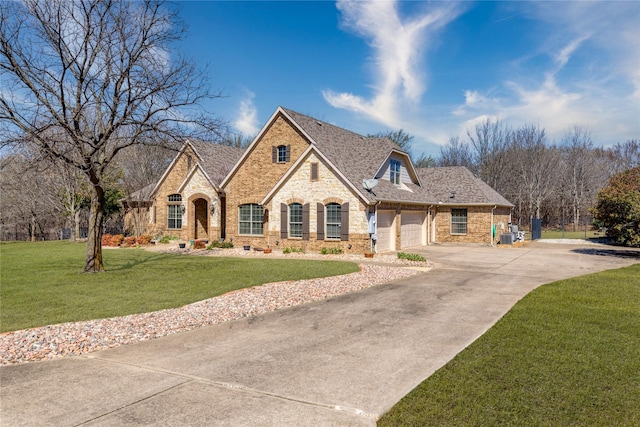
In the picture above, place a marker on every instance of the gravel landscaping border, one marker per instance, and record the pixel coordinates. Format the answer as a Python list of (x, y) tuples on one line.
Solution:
[(78, 338)]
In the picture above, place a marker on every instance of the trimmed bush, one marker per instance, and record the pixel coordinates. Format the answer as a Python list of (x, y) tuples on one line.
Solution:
[(130, 241), (411, 257), (220, 245), (198, 244), (331, 251), (144, 239)]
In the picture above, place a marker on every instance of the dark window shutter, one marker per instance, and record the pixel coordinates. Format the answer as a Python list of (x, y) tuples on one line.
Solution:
[(344, 221), (284, 211), (274, 154), (305, 221), (320, 222), (287, 154)]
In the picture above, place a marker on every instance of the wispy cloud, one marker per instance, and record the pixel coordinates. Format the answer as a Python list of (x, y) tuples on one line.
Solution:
[(247, 117), (592, 78), (398, 44)]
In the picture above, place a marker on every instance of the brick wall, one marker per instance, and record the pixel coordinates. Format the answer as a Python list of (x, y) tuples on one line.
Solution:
[(257, 175), (196, 188), (478, 224)]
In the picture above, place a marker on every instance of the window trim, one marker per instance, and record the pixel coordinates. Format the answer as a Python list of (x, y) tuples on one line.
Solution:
[(330, 232), (459, 220), (255, 222), (174, 211), (295, 228), (395, 168)]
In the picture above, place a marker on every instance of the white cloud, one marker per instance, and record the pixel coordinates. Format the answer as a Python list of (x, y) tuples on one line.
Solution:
[(399, 79), (247, 119), (592, 80)]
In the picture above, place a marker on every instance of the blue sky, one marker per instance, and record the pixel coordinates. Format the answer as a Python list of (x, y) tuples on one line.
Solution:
[(434, 69)]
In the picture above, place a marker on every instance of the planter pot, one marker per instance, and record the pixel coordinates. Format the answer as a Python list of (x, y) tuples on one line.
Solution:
[(182, 245), (368, 254), (267, 251), (246, 248)]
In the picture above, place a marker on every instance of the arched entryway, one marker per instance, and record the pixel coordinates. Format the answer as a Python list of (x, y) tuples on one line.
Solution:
[(201, 219)]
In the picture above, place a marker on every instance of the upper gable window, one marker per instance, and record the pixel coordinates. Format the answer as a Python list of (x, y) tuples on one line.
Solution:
[(394, 175), (281, 153)]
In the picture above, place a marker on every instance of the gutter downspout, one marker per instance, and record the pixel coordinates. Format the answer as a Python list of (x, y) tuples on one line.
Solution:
[(375, 215), (491, 230), (429, 225)]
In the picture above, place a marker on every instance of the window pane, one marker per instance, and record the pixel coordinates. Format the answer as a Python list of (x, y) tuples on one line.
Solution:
[(174, 216), (250, 219), (175, 198), (333, 221), (458, 221), (282, 153), (295, 220)]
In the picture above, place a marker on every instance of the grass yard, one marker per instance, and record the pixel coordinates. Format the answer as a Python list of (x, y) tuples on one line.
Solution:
[(582, 234), (568, 354), (42, 283)]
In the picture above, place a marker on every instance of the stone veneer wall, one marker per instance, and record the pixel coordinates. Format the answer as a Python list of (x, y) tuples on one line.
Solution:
[(327, 189), (478, 224)]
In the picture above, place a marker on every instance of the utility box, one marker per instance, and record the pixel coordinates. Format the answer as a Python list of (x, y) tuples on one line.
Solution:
[(506, 239)]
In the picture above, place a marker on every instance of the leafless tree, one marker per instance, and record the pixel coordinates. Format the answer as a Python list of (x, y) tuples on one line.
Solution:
[(489, 142), (84, 80), (582, 176), (535, 167), (456, 153)]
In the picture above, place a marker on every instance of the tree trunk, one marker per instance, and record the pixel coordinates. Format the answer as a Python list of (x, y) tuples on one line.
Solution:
[(93, 262), (75, 234)]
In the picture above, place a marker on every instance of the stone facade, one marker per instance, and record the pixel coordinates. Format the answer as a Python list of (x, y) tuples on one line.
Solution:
[(328, 188)]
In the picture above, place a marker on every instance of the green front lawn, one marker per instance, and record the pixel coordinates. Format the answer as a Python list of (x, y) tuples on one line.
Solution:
[(42, 283), (568, 354)]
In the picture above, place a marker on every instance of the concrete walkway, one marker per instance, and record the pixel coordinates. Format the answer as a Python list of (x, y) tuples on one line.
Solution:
[(341, 362)]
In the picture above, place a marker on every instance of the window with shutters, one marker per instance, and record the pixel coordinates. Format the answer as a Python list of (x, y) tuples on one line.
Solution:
[(333, 221), (250, 219), (458, 221), (281, 153), (295, 220)]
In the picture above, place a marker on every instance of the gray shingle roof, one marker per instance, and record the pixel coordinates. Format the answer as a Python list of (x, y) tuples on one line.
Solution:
[(217, 160), (469, 189), (357, 157)]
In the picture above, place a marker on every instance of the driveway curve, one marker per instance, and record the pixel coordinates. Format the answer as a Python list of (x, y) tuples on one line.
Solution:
[(339, 362)]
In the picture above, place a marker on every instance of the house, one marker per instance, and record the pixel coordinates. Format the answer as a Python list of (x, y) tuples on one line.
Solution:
[(308, 184), (187, 202)]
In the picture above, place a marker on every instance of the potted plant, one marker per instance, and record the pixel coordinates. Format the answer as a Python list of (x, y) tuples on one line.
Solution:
[(368, 254)]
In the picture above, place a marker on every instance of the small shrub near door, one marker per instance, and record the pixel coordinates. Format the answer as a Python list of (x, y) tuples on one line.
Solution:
[(331, 251), (199, 244)]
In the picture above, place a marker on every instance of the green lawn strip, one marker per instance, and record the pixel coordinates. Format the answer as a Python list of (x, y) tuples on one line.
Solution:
[(568, 354), (558, 234), (42, 283)]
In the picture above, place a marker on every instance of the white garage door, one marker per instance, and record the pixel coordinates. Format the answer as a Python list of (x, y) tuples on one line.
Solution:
[(411, 229), (386, 231)]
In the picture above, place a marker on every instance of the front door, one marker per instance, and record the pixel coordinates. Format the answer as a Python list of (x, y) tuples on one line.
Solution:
[(201, 223)]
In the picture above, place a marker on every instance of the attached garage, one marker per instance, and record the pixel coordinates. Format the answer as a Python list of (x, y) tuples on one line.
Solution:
[(412, 229), (386, 231)]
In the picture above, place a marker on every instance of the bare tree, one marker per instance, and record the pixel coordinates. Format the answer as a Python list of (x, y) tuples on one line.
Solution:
[(490, 142), (84, 80), (400, 137), (581, 174), (535, 169), (456, 153)]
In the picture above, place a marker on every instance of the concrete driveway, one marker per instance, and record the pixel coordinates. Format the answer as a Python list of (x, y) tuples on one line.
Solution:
[(341, 362)]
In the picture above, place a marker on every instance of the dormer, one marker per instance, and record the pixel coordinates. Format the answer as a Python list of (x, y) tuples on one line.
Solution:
[(398, 170)]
